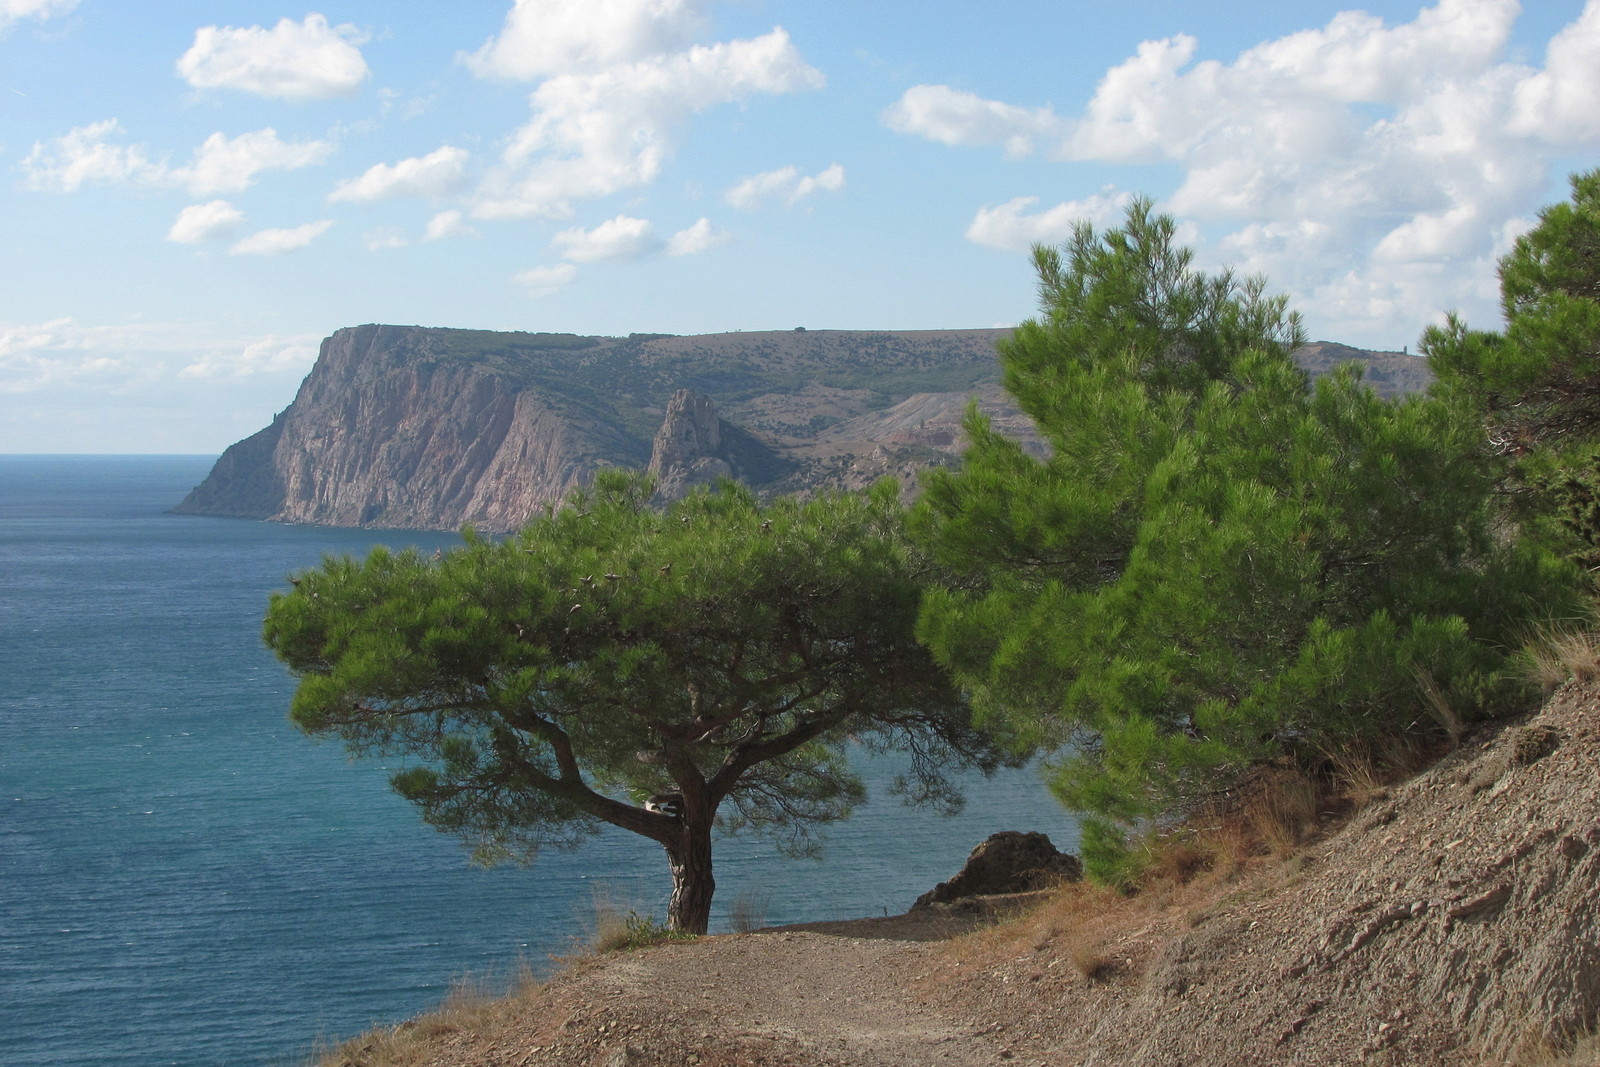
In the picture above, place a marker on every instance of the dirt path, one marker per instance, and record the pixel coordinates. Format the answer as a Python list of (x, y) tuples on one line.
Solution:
[(847, 994), (821, 998)]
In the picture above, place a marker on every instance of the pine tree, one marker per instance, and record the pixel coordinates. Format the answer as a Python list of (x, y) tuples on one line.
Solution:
[(719, 657), (1217, 563), (1537, 385)]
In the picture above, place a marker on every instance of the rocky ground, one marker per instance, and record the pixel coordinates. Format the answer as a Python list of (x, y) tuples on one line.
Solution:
[(1454, 919)]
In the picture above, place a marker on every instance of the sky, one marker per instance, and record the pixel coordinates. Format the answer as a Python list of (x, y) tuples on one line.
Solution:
[(193, 195)]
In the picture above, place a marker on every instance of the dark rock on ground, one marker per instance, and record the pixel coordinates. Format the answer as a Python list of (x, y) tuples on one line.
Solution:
[(1008, 862)]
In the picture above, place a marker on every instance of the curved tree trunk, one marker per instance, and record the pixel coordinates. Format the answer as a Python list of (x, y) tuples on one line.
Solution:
[(692, 883)]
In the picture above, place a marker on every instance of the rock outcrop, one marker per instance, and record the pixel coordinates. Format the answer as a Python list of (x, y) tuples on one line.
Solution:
[(694, 447), (1006, 862)]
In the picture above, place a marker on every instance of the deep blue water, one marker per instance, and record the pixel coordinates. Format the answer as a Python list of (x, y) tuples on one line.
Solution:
[(185, 879)]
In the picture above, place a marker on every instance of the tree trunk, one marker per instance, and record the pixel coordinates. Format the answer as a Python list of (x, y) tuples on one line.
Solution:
[(692, 883)]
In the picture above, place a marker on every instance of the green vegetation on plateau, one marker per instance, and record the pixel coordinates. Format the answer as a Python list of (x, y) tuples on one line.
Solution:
[(621, 380)]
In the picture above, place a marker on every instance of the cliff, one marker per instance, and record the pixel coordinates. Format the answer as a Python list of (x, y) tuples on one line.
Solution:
[(423, 428)]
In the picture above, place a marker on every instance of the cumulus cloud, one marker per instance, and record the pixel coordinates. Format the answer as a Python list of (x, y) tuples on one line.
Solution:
[(1013, 226), (447, 224), (619, 238), (693, 240), (784, 184), (230, 165), (276, 242), (627, 238), (953, 117), (206, 222), (92, 155), (439, 173), (308, 60), (16, 10), (545, 281), (1561, 103), (616, 80), (545, 37), (86, 156), (1370, 169)]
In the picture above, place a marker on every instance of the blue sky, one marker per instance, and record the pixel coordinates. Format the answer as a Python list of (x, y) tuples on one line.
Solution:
[(193, 194)]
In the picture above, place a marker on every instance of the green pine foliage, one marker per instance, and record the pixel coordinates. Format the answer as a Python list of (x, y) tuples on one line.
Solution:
[(540, 687), (1537, 385), (1217, 564)]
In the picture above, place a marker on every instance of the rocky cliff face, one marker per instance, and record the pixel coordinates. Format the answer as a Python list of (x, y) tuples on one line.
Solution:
[(411, 427), (380, 435)]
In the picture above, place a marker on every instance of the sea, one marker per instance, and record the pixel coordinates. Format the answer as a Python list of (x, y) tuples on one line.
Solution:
[(187, 879)]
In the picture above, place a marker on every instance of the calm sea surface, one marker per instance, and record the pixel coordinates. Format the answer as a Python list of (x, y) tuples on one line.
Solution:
[(185, 879)]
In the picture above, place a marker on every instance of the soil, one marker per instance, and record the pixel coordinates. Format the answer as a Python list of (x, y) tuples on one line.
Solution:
[(1455, 919)]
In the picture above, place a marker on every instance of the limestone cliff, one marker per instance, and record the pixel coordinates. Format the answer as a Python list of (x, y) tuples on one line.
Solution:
[(414, 427), (695, 447), (382, 435)]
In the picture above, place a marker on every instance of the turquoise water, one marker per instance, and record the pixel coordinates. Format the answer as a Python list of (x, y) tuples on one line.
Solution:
[(185, 879)]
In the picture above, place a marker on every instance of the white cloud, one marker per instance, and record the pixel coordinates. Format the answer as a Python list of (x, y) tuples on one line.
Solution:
[(544, 281), (447, 224), (88, 155), (619, 238), (1370, 169), (443, 226), (953, 117), (16, 10), (546, 37), (269, 355), (37, 356), (597, 132), (627, 238), (230, 165), (1014, 227), (784, 184), (693, 240), (66, 354), (1561, 103), (85, 156), (307, 60), (276, 242), (206, 222), (439, 173)]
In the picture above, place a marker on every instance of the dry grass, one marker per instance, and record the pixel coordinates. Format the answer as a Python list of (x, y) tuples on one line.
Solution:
[(1084, 951), (611, 932), (1539, 1051), (748, 911), (1283, 809), (1555, 655), (471, 1006), (1439, 707)]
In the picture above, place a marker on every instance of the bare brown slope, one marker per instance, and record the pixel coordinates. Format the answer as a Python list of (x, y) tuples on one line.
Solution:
[(1453, 922)]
